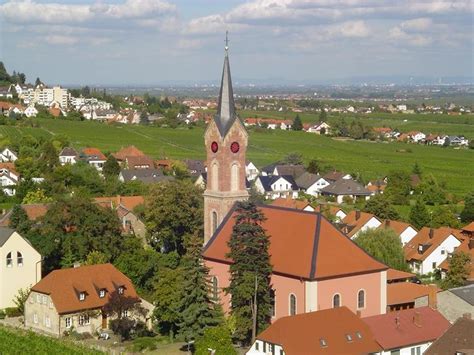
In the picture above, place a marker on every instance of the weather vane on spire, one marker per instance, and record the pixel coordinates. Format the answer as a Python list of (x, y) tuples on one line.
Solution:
[(226, 40)]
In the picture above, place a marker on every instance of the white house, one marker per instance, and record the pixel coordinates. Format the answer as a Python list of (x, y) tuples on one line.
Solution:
[(405, 231), (430, 247), (401, 107), (311, 183), (68, 156), (8, 155), (251, 171), (30, 111), (20, 266), (276, 186), (356, 222), (9, 178), (417, 137), (319, 128)]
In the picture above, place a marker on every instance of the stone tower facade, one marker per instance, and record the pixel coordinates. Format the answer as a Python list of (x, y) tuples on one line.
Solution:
[(226, 147)]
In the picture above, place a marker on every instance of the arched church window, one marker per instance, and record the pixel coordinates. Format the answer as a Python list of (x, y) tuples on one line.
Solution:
[(361, 299), (292, 305), (215, 177), (336, 300), (214, 221), (234, 177)]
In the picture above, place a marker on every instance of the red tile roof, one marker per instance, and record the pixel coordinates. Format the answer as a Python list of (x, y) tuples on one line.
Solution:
[(409, 331), (405, 292), (94, 152), (290, 203), (303, 333), (357, 223), (64, 286), (457, 339), (393, 274), (130, 151), (129, 202), (139, 162), (439, 235), (302, 244), (9, 166), (397, 226), (469, 227)]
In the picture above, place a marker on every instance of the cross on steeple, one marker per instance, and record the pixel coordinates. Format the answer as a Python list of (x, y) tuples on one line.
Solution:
[(226, 40)]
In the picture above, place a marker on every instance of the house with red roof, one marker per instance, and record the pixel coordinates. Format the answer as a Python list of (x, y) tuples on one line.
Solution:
[(306, 251), (404, 230), (77, 298), (289, 202), (357, 221), (430, 247), (94, 157)]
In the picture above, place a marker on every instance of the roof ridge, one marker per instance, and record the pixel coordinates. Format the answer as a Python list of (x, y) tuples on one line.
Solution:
[(315, 246)]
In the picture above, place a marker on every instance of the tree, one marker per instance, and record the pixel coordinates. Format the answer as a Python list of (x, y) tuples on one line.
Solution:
[(313, 167), (20, 299), (380, 205), (49, 157), (174, 209), (467, 214), (36, 196), (293, 158), (459, 270), (384, 245), (323, 115), (218, 339), (416, 169), (144, 118), (432, 192), (447, 142), (96, 257), (297, 124), (196, 309), (250, 272), (443, 216), (398, 187), (419, 216), (19, 220), (111, 167)]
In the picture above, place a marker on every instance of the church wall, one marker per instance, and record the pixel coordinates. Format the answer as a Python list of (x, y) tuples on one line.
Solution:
[(284, 286)]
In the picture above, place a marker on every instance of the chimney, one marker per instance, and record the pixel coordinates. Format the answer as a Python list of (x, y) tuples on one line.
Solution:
[(417, 319), (431, 234), (433, 296), (357, 215), (387, 223)]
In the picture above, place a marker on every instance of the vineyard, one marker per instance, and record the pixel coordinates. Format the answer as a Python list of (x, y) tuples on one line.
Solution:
[(14, 341)]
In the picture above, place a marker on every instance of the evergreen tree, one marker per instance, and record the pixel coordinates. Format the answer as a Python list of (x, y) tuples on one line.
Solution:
[(144, 118), (38, 82), (297, 124), (444, 216), (19, 220), (111, 167), (467, 214), (416, 169), (419, 215), (250, 272), (197, 311), (313, 167), (459, 270), (398, 187)]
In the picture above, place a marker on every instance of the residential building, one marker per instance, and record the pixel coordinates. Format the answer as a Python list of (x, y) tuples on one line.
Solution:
[(319, 128), (430, 247), (458, 339), (311, 184), (356, 222), (68, 156), (30, 111), (130, 151), (9, 178), (276, 186), (251, 171), (147, 176), (330, 331), (409, 331), (346, 189), (289, 202), (335, 211), (335, 175), (20, 265), (404, 295), (394, 276), (311, 270), (8, 155), (195, 167), (76, 298), (33, 211), (94, 157), (226, 142), (466, 246), (139, 162), (404, 230)]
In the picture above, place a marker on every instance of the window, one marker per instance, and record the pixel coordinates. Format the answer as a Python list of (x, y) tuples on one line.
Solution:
[(47, 322), (292, 305), (214, 221), (82, 296), (348, 337), (45, 299), (35, 318), (358, 335), (443, 251), (84, 319), (9, 260), (214, 289), (336, 301), (68, 321), (323, 342), (120, 290), (102, 293), (272, 303), (433, 264), (257, 345), (38, 298), (234, 177), (19, 259), (264, 347), (361, 299), (125, 313), (395, 352), (416, 350)]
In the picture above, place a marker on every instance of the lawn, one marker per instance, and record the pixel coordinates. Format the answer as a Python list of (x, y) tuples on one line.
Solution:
[(371, 160), (14, 341)]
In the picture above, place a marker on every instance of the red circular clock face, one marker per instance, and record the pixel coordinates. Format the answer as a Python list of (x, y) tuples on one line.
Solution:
[(214, 147), (234, 147)]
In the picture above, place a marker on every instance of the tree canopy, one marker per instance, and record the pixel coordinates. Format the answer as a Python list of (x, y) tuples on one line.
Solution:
[(380, 205)]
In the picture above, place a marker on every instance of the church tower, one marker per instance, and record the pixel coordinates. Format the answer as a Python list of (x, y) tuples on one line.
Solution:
[(226, 146)]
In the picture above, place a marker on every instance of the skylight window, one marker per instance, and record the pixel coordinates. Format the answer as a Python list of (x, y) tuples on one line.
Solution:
[(348, 337), (358, 335), (323, 342)]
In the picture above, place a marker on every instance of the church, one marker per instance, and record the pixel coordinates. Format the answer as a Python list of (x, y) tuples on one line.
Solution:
[(315, 266)]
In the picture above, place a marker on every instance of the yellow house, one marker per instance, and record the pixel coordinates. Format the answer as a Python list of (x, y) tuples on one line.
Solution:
[(20, 265)]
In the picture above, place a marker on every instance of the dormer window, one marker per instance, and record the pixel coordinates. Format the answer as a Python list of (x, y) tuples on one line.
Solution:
[(102, 293), (120, 290), (82, 296)]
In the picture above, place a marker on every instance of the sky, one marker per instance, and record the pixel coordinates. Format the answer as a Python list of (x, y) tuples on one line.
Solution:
[(148, 42)]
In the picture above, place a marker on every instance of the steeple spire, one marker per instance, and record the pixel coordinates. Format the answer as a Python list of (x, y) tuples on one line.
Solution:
[(226, 115)]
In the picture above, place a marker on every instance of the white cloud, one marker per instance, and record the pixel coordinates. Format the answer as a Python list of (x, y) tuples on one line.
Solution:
[(61, 40), (418, 24)]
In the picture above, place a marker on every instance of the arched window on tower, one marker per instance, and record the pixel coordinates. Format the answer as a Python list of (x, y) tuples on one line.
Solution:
[(234, 177), (272, 303), (215, 177), (336, 300), (292, 305), (361, 299), (214, 221)]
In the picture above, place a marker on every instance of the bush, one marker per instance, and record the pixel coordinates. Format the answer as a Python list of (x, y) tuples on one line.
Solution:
[(145, 343), (13, 312), (2, 314)]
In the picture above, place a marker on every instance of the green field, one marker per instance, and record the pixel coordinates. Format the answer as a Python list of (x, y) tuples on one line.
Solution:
[(13, 341), (370, 159)]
